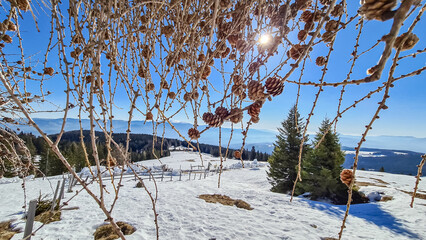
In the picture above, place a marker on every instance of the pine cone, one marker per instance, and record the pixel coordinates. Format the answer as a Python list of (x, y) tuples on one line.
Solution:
[(193, 133), (331, 26), (201, 57), (254, 109), (238, 79), (242, 45), (212, 120), (302, 35), (49, 71), (325, 2), (254, 66), (171, 95), (211, 62), (409, 43), (337, 11), (167, 31), (307, 16), (206, 72), (236, 115), (320, 61), (274, 86), (255, 119), (226, 52), (295, 51), (303, 4), (346, 176), (150, 87), (309, 26), (23, 5), (233, 39), (164, 85), (9, 25), (376, 9), (328, 36), (255, 90), (6, 38), (237, 154), (222, 112), (237, 90), (195, 95), (187, 97), (149, 116)]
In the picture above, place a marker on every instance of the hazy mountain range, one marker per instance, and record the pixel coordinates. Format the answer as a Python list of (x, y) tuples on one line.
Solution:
[(262, 139), (402, 159)]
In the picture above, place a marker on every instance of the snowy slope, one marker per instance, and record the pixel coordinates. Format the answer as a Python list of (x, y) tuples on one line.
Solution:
[(184, 216)]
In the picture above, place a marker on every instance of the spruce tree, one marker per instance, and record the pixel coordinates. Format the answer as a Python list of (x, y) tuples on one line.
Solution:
[(285, 157), (321, 171)]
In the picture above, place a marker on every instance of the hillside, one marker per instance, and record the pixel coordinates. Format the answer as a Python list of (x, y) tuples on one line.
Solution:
[(393, 161), (184, 216)]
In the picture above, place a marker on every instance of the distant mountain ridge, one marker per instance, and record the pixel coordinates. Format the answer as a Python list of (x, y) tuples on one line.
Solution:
[(374, 154), (262, 139)]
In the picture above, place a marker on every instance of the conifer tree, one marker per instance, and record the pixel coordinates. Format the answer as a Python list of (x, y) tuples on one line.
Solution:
[(285, 157), (321, 171)]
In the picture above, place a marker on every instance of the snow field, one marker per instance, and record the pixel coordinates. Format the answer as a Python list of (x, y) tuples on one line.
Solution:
[(184, 216)]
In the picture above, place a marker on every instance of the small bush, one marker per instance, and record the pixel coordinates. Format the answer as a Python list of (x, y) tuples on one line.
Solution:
[(44, 204), (48, 217), (106, 232), (139, 184), (7, 230)]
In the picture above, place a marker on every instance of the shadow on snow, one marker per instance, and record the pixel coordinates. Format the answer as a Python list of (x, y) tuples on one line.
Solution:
[(370, 212)]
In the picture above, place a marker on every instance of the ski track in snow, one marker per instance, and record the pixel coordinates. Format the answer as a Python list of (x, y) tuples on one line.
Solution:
[(184, 216)]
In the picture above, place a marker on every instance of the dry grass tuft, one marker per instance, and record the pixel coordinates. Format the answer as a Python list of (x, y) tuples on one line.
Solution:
[(106, 232), (225, 200), (242, 204), (386, 198), (48, 217), (380, 181), (363, 184), (418, 195), (7, 231)]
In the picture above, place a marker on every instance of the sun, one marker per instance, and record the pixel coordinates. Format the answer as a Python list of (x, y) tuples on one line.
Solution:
[(265, 39)]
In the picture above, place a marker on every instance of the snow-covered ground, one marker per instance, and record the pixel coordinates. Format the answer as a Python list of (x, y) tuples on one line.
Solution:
[(184, 216)]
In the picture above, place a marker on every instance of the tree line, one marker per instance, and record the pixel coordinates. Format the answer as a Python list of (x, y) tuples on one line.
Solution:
[(140, 149)]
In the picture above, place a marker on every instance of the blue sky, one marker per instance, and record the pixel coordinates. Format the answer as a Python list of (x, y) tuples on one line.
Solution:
[(405, 116)]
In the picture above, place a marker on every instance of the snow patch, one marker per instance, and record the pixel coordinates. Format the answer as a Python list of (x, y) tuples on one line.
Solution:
[(364, 154), (400, 153)]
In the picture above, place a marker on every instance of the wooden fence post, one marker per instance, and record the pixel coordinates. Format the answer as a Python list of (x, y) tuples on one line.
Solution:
[(75, 180), (30, 219), (190, 171), (162, 175), (70, 180), (61, 194), (54, 197)]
